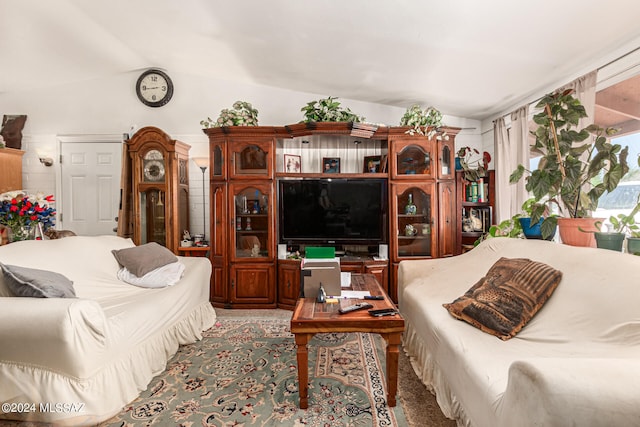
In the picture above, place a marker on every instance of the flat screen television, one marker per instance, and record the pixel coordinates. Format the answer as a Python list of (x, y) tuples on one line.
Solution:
[(330, 211)]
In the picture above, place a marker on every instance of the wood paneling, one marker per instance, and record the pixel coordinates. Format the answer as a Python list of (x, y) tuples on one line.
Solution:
[(10, 169)]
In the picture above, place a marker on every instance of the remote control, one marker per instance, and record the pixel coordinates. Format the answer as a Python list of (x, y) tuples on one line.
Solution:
[(383, 312), (358, 306), (374, 297), (390, 313)]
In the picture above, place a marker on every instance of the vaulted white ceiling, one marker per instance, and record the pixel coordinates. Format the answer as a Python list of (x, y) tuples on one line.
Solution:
[(468, 58)]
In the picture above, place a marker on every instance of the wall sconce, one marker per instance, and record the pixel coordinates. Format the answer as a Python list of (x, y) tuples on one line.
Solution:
[(47, 161)]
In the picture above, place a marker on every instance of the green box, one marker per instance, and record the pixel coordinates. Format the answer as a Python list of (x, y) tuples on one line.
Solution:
[(319, 252)]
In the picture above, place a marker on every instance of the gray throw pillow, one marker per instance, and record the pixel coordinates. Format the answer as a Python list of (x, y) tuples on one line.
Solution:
[(140, 260), (31, 282)]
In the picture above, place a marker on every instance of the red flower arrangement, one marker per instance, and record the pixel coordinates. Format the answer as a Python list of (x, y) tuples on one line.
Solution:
[(20, 211)]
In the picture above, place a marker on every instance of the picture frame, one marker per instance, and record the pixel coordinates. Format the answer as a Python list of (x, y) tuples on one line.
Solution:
[(331, 164), (292, 163), (372, 164)]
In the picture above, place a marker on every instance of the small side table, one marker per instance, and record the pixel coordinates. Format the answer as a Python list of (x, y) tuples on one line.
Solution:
[(201, 251)]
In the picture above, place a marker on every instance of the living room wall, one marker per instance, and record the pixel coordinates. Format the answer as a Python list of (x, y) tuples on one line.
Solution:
[(106, 107)]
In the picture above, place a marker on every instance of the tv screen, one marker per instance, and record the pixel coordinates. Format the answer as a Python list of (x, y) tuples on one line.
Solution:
[(329, 210)]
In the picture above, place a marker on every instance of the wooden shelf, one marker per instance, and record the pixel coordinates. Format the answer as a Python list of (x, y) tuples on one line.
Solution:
[(243, 281), (475, 234), (466, 239), (476, 204), (331, 175)]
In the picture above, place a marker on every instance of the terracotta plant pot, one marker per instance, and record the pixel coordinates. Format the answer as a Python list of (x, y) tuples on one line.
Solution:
[(571, 231)]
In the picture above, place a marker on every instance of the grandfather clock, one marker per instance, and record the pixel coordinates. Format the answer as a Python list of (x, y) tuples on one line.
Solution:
[(160, 193)]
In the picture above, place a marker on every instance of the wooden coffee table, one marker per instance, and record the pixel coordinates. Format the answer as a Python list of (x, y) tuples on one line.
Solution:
[(310, 318)]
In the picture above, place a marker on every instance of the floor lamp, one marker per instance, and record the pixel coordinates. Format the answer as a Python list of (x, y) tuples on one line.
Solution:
[(203, 164)]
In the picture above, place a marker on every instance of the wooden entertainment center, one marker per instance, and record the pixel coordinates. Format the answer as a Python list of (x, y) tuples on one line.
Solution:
[(246, 163)]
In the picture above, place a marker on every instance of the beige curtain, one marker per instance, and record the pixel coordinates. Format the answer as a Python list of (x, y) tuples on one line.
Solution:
[(503, 170), (512, 149), (519, 145)]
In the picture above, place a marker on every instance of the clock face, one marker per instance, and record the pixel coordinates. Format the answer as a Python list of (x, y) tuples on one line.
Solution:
[(154, 88), (154, 170), (153, 166)]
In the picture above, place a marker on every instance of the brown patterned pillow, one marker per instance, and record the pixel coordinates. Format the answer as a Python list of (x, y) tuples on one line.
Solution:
[(510, 294)]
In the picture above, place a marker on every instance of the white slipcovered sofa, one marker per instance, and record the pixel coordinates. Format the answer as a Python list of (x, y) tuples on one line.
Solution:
[(576, 363), (96, 352)]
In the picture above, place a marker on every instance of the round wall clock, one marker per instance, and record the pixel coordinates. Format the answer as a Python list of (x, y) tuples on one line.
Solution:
[(154, 88)]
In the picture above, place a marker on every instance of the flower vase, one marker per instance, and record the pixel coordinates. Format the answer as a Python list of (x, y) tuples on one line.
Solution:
[(22, 232)]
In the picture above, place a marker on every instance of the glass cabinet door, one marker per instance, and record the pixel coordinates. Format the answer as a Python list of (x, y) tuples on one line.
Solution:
[(152, 217), (414, 226), (414, 159), (251, 223), (446, 168), (250, 159), (217, 160)]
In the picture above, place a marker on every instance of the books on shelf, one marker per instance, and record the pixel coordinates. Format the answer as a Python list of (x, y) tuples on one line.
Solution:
[(477, 191), (363, 130)]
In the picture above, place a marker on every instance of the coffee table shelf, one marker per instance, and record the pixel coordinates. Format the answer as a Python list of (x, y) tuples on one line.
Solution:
[(310, 318)]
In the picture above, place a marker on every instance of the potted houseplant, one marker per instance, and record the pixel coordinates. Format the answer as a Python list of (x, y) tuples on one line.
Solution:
[(533, 220), (242, 113), (328, 110), (611, 239), (520, 225), (633, 240), (572, 162), (621, 226), (424, 121), (473, 169)]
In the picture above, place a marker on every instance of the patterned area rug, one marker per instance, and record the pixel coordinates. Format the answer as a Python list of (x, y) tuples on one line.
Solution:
[(244, 373)]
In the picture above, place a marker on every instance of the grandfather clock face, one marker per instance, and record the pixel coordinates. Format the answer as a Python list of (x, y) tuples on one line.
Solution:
[(153, 166)]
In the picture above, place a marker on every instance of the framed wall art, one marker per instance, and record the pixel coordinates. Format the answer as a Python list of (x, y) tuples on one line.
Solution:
[(292, 163), (372, 164), (331, 164)]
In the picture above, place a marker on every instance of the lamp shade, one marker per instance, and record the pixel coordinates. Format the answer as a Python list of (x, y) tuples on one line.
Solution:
[(201, 162)]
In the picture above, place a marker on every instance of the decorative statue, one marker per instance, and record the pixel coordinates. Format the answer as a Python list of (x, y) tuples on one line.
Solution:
[(255, 251), (476, 222), (12, 130)]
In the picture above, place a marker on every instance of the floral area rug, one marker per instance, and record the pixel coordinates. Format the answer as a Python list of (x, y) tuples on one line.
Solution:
[(244, 373)]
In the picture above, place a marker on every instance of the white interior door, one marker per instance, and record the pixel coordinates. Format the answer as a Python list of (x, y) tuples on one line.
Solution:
[(90, 175)]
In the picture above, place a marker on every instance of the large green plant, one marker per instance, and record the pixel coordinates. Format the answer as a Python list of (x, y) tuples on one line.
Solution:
[(328, 110), (576, 167)]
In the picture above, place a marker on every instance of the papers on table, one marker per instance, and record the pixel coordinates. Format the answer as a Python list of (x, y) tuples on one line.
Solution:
[(353, 294), (345, 279)]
